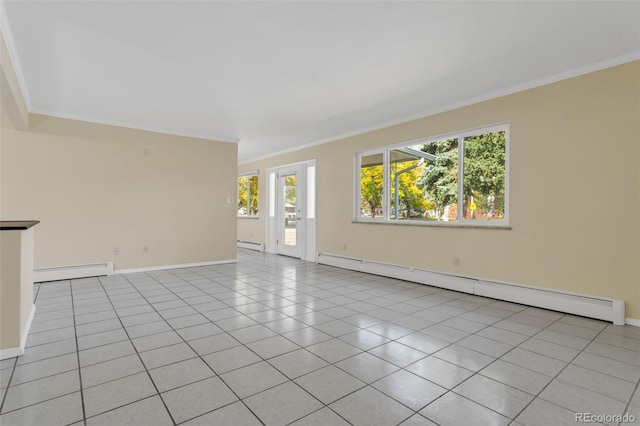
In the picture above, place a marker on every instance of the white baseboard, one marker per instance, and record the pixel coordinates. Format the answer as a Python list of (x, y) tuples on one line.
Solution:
[(185, 265), (612, 310), (11, 353), (18, 351), (632, 321), (251, 246), (70, 272)]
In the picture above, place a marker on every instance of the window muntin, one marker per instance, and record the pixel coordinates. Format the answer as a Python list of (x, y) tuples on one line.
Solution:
[(426, 181), (248, 195)]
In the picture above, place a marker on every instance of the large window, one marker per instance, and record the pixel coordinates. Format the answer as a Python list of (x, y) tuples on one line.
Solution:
[(459, 178), (248, 195)]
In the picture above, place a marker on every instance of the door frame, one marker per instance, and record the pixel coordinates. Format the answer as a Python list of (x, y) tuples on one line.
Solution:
[(306, 200)]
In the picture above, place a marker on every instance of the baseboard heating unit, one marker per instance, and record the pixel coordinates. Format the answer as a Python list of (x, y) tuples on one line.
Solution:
[(70, 272), (251, 246), (612, 310)]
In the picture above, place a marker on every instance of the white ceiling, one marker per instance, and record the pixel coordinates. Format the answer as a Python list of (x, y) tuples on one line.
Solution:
[(278, 75)]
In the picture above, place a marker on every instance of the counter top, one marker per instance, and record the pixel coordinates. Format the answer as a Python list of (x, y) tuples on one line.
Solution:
[(17, 225)]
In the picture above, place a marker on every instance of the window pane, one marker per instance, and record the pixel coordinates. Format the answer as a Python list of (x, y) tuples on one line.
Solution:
[(243, 183), (371, 186), (253, 198), (438, 180), (484, 176), (291, 209), (407, 200)]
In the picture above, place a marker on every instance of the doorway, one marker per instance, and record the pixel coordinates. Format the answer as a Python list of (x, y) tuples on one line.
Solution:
[(291, 224), (289, 212)]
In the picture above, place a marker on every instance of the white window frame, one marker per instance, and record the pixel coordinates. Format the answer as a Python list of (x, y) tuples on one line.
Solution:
[(248, 175), (460, 220)]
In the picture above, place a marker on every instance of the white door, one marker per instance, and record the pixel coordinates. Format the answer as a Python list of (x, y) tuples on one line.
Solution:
[(290, 196)]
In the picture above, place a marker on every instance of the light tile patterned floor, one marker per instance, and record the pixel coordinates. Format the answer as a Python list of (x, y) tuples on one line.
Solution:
[(275, 341)]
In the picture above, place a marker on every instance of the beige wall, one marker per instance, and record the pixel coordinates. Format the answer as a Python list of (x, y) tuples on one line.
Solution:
[(10, 289), (253, 230), (13, 104), (96, 187), (575, 190), (16, 289)]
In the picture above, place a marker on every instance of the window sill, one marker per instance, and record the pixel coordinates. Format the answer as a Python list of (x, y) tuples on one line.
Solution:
[(432, 224), (248, 217)]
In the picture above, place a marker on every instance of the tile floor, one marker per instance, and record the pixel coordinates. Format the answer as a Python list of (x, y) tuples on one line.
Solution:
[(275, 341)]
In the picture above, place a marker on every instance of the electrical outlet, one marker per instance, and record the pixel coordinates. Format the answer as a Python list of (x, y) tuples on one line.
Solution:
[(456, 262), (145, 249), (116, 251), (147, 152), (344, 247)]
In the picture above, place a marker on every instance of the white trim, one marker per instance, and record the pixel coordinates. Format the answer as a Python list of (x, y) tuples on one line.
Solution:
[(573, 303), (307, 225), (598, 66), (386, 192), (619, 60), (471, 131), (57, 273), (460, 207), (18, 351), (124, 125), (251, 245), (162, 268), (632, 321), (11, 353)]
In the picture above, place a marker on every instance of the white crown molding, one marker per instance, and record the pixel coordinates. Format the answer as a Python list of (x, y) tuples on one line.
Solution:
[(123, 125), (13, 54), (619, 60)]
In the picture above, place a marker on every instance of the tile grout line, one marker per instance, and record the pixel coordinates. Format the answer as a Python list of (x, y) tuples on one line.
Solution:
[(190, 347), (289, 379), (15, 366), (568, 363), (432, 354), (628, 404), (139, 358), (249, 285), (414, 412), (75, 332), (514, 313), (6, 390), (13, 369)]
